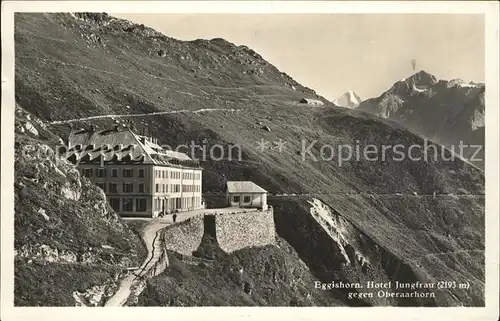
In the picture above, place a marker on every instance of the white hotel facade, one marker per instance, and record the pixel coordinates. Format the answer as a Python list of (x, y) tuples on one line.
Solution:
[(139, 178)]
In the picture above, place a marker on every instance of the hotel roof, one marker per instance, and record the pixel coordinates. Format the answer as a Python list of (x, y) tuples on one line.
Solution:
[(121, 145)]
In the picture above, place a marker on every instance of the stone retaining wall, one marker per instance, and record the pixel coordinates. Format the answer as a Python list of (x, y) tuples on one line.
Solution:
[(232, 231), (184, 237), (237, 231)]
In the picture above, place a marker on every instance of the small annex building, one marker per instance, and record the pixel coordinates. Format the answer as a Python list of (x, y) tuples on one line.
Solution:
[(246, 194)]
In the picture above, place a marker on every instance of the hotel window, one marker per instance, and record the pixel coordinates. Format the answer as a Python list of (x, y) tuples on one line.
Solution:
[(102, 186), (141, 173), (162, 174), (101, 172), (236, 199), (140, 204), (113, 187), (141, 188), (115, 204), (87, 172), (127, 172), (128, 204), (157, 188), (246, 199), (114, 172), (128, 187)]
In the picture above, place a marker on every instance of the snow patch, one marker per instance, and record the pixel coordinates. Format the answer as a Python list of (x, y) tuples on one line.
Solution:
[(418, 89)]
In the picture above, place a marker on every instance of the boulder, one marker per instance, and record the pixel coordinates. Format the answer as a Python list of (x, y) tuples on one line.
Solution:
[(70, 193), (30, 128), (313, 102), (41, 211)]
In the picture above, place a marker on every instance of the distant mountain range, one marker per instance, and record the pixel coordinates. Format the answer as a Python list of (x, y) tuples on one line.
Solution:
[(348, 100), (444, 111)]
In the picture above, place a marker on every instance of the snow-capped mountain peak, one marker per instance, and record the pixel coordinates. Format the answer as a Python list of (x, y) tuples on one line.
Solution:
[(349, 100)]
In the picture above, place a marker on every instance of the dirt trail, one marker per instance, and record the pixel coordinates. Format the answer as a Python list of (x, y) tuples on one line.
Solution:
[(154, 245), (181, 111), (151, 238)]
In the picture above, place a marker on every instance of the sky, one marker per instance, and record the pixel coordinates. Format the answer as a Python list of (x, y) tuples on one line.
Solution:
[(334, 53)]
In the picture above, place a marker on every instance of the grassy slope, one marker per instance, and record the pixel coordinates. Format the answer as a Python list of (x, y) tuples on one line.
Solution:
[(275, 276), (128, 71), (52, 284)]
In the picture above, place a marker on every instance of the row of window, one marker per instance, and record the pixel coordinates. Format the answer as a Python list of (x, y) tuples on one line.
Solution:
[(190, 188), (195, 176), (159, 188), (176, 188), (163, 188), (126, 187), (237, 198), (176, 203), (127, 204), (103, 172), (159, 173), (129, 172)]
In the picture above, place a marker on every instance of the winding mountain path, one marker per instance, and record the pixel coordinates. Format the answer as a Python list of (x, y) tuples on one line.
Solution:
[(181, 111), (154, 244), (151, 237)]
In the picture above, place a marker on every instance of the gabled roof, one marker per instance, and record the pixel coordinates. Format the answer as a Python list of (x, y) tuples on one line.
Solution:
[(122, 146), (244, 187)]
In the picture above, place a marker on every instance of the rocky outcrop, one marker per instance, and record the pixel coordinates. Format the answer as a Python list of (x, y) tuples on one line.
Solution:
[(447, 112), (49, 254), (96, 295)]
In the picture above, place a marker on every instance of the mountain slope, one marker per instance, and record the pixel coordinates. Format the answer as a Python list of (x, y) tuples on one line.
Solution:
[(92, 64), (68, 242), (445, 111), (348, 100)]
